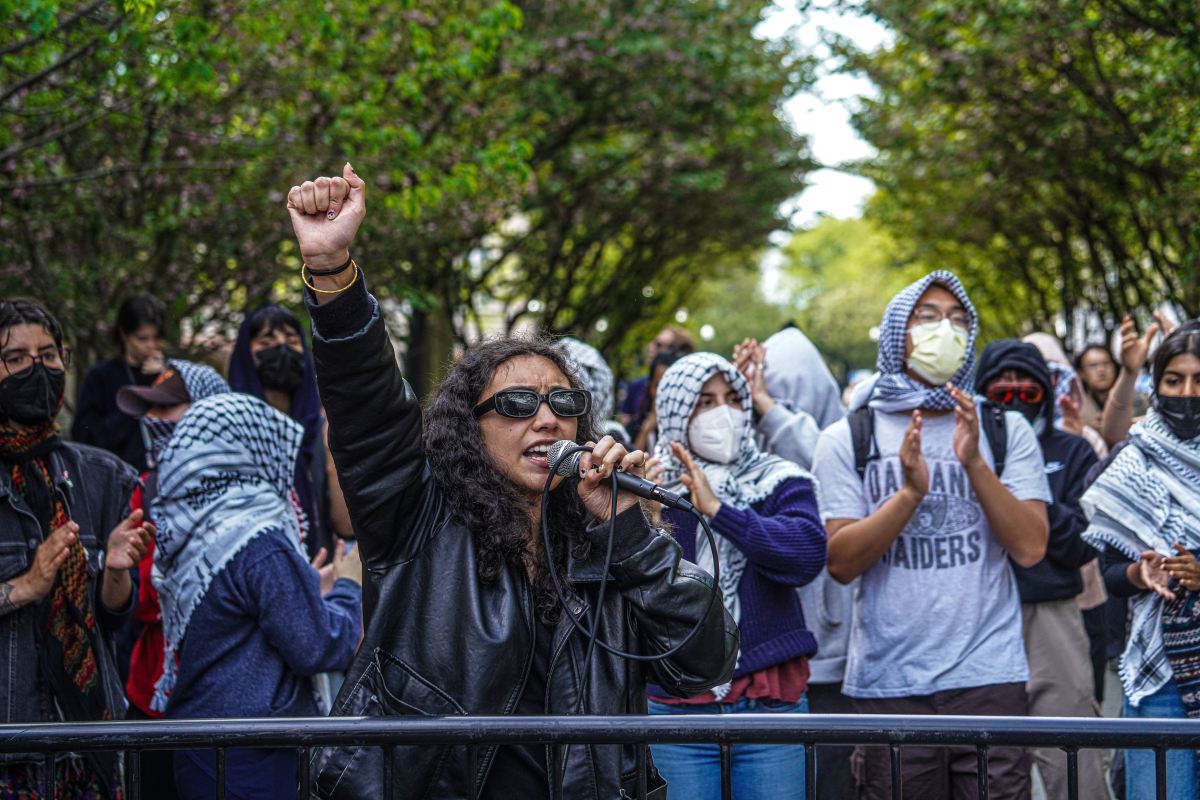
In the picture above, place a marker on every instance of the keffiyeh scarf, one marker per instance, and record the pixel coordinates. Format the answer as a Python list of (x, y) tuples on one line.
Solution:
[(1147, 499), (201, 380), (225, 477), (895, 390), (595, 373), (750, 478)]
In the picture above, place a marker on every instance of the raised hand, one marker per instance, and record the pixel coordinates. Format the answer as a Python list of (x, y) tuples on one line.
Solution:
[(594, 471), (1072, 420), (128, 542), (750, 358), (912, 460), (703, 497), (326, 214), (1165, 323), (1135, 349)]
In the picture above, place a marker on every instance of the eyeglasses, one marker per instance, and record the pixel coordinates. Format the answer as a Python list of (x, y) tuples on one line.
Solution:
[(1097, 366), (523, 403), (1006, 393), (20, 364), (927, 315)]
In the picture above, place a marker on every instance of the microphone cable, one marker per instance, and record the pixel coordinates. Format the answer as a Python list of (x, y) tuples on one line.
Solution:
[(592, 635)]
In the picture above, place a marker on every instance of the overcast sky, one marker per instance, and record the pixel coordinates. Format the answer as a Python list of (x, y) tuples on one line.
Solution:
[(824, 113)]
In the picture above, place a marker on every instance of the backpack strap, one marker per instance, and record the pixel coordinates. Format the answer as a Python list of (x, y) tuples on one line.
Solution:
[(862, 439), (995, 428)]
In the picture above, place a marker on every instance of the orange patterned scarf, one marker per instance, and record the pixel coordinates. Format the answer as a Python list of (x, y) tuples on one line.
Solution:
[(69, 627)]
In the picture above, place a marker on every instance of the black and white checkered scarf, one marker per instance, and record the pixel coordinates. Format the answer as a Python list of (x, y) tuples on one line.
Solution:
[(750, 478), (224, 478)]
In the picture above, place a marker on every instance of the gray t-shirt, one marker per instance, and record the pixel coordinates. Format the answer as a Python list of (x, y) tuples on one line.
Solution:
[(940, 610)]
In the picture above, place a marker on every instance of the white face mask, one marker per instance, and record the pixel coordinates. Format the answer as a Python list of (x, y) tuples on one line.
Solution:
[(939, 349), (716, 434)]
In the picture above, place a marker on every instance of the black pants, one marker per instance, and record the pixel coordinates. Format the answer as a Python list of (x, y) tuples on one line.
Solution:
[(158, 767), (834, 776)]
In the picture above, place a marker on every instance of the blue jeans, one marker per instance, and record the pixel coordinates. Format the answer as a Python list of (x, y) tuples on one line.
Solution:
[(1139, 764), (693, 771)]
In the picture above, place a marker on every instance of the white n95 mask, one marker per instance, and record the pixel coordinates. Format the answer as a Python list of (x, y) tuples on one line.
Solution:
[(939, 349), (716, 434)]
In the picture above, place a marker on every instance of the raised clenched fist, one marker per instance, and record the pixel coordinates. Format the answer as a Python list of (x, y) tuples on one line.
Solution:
[(326, 213)]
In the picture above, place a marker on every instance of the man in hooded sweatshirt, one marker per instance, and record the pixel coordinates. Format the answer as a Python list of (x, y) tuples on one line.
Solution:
[(795, 397), (1014, 375), (931, 528)]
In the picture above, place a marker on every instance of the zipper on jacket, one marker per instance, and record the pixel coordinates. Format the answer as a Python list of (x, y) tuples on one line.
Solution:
[(578, 607), (489, 756)]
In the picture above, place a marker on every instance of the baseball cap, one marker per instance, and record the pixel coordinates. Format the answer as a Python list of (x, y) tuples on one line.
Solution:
[(168, 389)]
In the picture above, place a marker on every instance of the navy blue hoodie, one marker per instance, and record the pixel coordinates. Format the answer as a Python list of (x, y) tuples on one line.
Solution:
[(1068, 458)]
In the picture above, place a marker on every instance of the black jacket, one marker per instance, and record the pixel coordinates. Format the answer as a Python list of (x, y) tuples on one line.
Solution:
[(99, 422), (440, 642), (95, 487), (1068, 458)]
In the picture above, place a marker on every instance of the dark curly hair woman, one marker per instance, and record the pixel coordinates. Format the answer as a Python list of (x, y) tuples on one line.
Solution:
[(461, 615)]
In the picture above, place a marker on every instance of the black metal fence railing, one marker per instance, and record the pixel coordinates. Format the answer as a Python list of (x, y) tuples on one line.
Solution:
[(727, 731)]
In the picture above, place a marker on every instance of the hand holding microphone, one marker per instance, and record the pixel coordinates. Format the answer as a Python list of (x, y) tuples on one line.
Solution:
[(596, 467)]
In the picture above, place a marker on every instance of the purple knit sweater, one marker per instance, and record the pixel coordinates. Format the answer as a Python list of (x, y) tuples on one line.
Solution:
[(784, 543)]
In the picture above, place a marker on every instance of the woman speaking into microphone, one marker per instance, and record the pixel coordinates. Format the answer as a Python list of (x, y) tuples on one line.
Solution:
[(461, 608)]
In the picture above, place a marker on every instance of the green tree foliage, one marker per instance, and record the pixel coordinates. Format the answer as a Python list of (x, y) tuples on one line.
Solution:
[(1045, 150), (569, 153), (840, 275)]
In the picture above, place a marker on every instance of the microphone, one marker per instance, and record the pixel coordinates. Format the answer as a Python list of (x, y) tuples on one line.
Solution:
[(630, 483)]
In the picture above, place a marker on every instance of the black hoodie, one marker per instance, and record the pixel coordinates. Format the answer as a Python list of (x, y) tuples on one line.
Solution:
[(1068, 458)]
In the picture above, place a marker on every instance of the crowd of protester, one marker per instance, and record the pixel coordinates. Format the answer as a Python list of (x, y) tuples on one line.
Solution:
[(978, 534)]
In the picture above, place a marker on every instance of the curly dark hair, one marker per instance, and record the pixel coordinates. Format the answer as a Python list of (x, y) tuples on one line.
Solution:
[(28, 312), (485, 501)]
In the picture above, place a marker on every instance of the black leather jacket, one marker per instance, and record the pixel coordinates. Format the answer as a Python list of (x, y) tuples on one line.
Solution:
[(95, 486), (440, 642)]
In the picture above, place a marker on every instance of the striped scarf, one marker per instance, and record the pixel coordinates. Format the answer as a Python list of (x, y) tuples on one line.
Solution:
[(1146, 499), (895, 390)]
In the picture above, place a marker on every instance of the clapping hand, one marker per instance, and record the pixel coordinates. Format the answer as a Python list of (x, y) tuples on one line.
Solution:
[(703, 497), (750, 359), (912, 460), (1183, 568), (128, 542)]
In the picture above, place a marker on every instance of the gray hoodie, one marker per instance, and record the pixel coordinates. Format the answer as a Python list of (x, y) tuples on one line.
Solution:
[(808, 400)]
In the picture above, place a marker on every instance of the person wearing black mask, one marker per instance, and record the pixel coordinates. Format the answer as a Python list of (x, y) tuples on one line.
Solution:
[(1014, 375), (1144, 510), (67, 544), (271, 361)]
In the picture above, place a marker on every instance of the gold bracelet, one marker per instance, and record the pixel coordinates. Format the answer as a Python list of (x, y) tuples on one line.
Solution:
[(330, 291)]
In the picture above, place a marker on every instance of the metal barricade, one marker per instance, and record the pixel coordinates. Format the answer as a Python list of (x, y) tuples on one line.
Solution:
[(727, 731)]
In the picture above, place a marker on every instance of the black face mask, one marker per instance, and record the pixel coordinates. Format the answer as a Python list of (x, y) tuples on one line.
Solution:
[(1028, 410), (280, 368), (33, 398), (1180, 414)]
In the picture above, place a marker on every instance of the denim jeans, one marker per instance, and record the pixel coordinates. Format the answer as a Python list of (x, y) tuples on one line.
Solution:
[(1139, 764), (760, 771)]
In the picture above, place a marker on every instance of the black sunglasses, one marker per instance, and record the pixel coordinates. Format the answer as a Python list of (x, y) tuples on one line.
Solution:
[(522, 403)]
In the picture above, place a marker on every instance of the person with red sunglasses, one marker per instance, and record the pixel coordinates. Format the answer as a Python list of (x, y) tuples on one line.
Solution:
[(1014, 375)]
